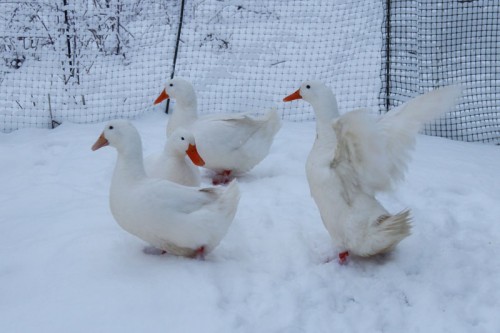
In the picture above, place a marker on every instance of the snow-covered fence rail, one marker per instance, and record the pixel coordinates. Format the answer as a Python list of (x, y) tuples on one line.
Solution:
[(92, 60)]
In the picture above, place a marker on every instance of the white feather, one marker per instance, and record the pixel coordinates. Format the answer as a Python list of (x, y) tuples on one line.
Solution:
[(356, 157), (169, 216), (172, 163), (233, 142)]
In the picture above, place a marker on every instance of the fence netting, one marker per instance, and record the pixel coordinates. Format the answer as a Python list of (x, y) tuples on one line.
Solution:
[(81, 61), (428, 44), (248, 55), (92, 60), (89, 61)]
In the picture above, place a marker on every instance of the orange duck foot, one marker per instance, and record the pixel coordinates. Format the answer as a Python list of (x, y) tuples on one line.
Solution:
[(199, 253), (343, 257), (222, 178)]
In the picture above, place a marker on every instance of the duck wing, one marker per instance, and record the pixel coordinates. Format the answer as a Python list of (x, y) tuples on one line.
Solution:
[(372, 154), (360, 159), (230, 132), (163, 195), (401, 125)]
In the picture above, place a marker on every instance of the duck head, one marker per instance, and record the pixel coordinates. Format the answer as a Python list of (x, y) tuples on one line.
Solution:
[(120, 134), (319, 96), (179, 89), (310, 91), (182, 142)]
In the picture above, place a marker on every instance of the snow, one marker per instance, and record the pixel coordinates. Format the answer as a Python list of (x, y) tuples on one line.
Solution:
[(66, 266)]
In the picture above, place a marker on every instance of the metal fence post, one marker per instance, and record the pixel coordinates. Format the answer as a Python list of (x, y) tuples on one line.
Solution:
[(179, 30)]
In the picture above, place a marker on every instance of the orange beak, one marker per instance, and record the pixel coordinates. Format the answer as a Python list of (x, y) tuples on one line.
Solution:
[(163, 96), (294, 96), (101, 142), (192, 152)]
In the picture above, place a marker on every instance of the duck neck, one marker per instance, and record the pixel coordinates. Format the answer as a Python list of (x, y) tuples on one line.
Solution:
[(184, 114), (173, 154), (129, 165), (326, 110)]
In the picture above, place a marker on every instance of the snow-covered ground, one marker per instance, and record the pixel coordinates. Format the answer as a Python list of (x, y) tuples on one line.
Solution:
[(66, 266)]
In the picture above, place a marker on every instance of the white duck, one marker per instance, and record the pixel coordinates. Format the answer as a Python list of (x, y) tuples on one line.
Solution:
[(229, 143), (174, 218), (355, 156), (172, 164)]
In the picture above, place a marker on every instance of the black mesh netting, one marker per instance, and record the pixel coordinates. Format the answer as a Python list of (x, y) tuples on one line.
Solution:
[(81, 61), (430, 43), (89, 61)]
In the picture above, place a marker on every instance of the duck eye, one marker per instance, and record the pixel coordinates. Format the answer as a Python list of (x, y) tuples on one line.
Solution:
[(308, 87), (171, 84), (110, 127), (182, 138)]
